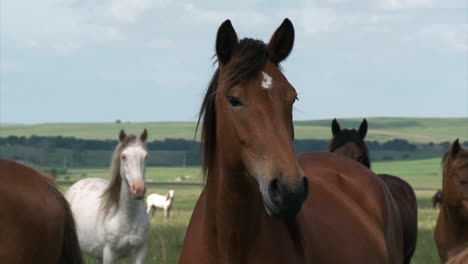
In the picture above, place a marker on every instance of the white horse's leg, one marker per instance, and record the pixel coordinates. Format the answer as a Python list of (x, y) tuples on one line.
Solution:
[(148, 208), (139, 254), (108, 257)]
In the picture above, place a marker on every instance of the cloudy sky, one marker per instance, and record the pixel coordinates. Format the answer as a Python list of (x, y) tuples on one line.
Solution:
[(150, 60)]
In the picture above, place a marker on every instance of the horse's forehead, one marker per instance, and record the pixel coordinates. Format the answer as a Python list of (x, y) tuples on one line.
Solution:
[(135, 149), (461, 166), (272, 81), (351, 145)]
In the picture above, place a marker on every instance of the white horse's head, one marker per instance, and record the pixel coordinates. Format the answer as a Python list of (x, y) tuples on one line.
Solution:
[(132, 164), (170, 194)]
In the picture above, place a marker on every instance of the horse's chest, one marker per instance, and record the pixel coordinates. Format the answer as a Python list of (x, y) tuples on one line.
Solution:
[(126, 236), (128, 242)]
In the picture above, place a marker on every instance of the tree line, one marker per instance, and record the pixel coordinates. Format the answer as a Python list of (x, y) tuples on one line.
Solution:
[(75, 152)]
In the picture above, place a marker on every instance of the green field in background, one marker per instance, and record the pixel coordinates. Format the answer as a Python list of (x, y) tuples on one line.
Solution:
[(417, 130), (421, 174), (166, 238)]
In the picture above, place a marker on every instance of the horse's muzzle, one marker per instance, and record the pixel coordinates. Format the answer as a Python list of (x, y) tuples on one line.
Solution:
[(286, 199), (138, 190)]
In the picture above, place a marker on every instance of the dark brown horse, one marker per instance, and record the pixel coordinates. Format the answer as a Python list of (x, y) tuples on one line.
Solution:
[(451, 232), (437, 199), (261, 203), (350, 143), (36, 224)]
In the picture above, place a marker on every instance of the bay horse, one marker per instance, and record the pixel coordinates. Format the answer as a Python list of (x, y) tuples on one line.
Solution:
[(451, 231), (36, 223), (260, 202), (350, 143), (111, 216)]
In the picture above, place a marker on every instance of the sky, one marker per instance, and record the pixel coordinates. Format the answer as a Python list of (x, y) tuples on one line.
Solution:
[(147, 61)]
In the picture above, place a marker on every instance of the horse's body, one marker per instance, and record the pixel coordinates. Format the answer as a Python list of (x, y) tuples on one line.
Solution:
[(111, 217), (451, 232), (164, 202), (350, 143), (36, 224), (255, 206)]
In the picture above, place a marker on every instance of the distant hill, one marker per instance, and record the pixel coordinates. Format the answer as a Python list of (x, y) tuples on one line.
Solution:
[(416, 130)]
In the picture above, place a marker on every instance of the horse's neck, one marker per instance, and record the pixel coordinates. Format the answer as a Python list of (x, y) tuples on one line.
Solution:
[(128, 207), (455, 221), (234, 212)]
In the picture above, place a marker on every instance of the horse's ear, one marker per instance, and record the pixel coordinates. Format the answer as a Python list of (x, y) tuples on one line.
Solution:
[(282, 41), (335, 127), (144, 135), (363, 128), (226, 42), (455, 148), (122, 135)]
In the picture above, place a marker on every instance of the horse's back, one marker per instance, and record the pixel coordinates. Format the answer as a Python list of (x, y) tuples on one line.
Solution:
[(156, 200), (84, 198), (86, 189), (31, 215), (339, 213)]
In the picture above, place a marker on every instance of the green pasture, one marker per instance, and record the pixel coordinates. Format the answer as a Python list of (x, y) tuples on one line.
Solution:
[(153, 174), (166, 238), (418, 130)]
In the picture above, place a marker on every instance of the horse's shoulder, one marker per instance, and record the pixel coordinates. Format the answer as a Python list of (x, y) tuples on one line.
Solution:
[(344, 182), (336, 169)]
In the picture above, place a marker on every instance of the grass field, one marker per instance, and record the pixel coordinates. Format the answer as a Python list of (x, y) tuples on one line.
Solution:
[(166, 237), (418, 130)]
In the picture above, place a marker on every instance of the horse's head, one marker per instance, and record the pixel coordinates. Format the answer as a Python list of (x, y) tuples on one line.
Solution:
[(350, 142), (455, 177), (170, 194), (132, 164), (247, 115)]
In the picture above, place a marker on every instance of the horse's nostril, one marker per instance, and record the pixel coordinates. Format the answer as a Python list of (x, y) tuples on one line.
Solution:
[(275, 192), (274, 185)]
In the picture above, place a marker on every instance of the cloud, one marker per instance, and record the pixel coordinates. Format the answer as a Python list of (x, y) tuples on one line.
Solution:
[(15, 66), (415, 4), (453, 37), (127, 11)]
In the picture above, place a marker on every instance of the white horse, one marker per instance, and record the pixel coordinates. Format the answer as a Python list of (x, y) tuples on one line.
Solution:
[(154, 201), (111, 217)]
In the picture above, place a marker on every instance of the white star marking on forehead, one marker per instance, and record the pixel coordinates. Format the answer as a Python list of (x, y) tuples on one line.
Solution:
[(267, 80)]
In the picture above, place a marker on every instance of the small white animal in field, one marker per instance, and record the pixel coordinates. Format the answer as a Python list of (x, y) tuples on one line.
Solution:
[(110, 216), (154, 201)]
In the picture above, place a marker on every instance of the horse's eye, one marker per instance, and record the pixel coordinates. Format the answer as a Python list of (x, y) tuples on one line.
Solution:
[(463, 182), (146, 157), (124, 157), (233, 101)]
